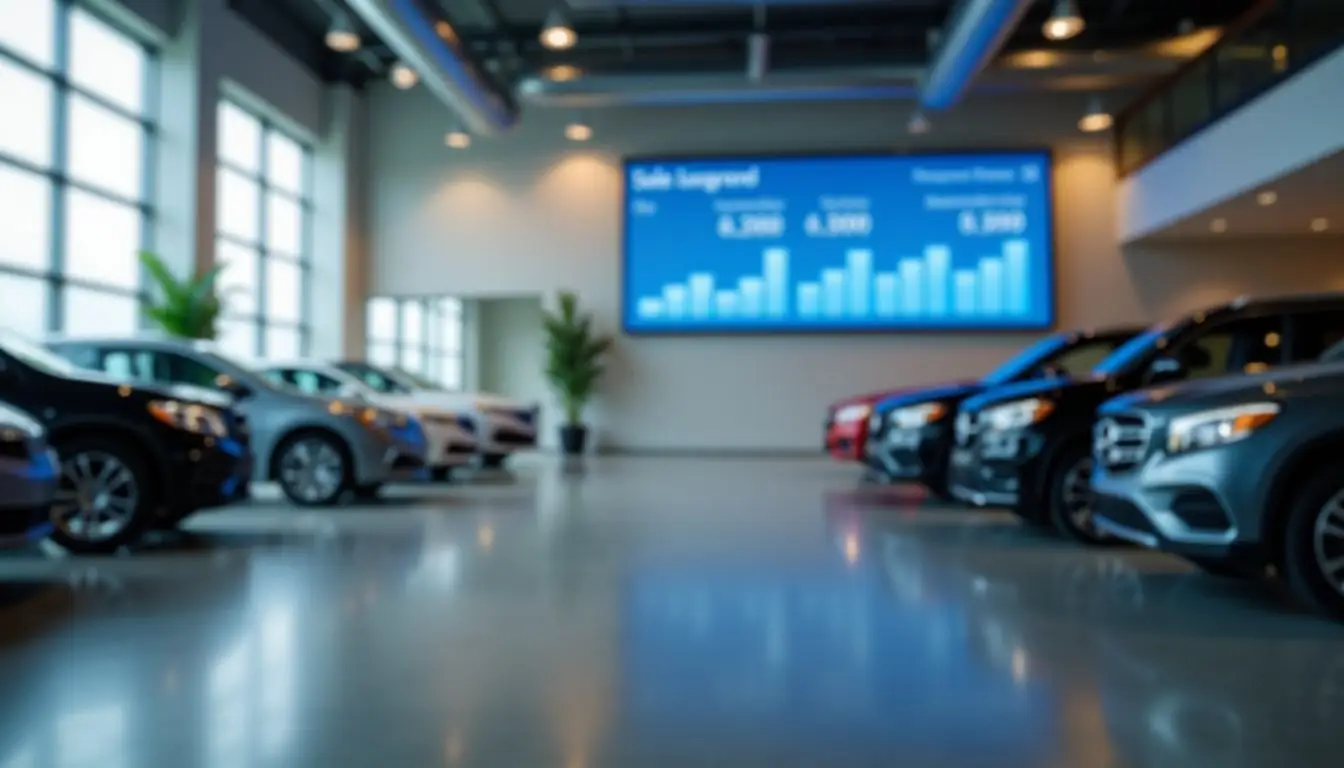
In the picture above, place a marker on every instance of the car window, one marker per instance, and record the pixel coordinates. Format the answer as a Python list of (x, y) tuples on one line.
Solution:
[(1318, 335), (188, 370), (129, 365), (313, 382), (1081, 358), (1247, 345)]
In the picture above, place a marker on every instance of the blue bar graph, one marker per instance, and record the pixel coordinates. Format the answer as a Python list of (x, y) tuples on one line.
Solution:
[(933, 284)]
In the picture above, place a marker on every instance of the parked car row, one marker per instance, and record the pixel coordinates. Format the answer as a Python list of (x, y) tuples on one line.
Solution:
[(1213, 436), (102, 439)]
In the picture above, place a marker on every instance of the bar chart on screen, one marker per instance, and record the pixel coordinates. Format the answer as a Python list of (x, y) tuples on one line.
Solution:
[(863, 286)]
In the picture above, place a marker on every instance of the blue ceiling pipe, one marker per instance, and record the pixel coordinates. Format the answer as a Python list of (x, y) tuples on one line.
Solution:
[(425, 39), (978, 30)]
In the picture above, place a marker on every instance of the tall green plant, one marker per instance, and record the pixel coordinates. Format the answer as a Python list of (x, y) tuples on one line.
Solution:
[(573, 356), (187, 309)]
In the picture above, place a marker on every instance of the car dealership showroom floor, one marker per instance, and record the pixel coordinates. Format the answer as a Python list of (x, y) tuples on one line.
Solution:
[(651, 612)]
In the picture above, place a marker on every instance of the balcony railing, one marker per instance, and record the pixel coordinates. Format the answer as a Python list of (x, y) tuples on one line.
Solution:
[(1271, 42)]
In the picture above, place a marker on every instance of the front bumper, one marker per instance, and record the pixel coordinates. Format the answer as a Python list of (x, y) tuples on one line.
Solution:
[(919, 455), (390, 455), (447, 445), (206, 472), (996, 469), (499, 432), (27, 487), (846, 441), (1191, 504)]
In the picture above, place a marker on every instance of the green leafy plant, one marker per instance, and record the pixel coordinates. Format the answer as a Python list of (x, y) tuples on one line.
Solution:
[(574, 354), (187, 309)]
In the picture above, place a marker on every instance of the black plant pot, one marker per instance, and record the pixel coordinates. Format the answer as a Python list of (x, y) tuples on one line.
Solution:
[(573, 437)]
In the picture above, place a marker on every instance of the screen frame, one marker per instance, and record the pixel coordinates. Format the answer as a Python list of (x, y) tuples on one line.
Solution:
[(1052, 237)]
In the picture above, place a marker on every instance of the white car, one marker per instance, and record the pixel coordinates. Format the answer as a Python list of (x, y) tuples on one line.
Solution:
[(503, 425), (448, 433)]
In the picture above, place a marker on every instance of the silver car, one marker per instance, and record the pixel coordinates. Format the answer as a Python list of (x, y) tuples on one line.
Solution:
[(28, 479), (316, 448)]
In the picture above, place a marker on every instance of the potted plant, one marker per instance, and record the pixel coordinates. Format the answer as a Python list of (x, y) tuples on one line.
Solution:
[(573, 366), (186, 309)]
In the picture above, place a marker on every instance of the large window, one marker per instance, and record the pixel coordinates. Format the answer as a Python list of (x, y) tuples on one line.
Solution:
[(75, 140), (423, 336), (263, 218)]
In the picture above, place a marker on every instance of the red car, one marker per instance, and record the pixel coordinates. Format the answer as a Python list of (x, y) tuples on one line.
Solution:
[(847, 424)]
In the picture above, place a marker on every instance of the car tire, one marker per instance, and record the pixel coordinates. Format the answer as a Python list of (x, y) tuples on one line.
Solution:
[(441, 474), (102, 478), (1070, 485), (493, 460), (1308, 545), (314, 469), (1219, 568), (368, 491)]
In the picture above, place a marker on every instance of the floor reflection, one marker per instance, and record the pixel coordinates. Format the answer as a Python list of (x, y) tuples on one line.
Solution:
[(766, 614)]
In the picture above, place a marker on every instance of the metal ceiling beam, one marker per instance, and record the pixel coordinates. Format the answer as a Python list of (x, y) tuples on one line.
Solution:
[(977, 32)]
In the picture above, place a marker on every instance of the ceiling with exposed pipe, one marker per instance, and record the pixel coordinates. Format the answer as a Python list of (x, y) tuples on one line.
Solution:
[(676, 52)]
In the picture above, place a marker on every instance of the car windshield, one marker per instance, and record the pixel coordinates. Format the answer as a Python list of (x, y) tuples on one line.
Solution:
[(383, 380), (1029, 358), (1133, 352), (36, 356)]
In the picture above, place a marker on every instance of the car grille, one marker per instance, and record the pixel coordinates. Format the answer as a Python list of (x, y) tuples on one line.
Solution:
[(1120, 442), (965, 428)]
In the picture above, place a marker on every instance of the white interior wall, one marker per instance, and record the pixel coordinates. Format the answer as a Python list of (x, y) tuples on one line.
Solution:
[(531, 213)]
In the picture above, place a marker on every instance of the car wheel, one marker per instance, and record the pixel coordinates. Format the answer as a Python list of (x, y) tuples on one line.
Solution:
[(1313, 544), (105, 498), (314, 469), (441, 474), (493, 460), (1219, 568), (1070, 500)]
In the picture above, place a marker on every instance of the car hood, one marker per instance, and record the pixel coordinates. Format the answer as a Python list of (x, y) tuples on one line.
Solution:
[(1234, 388), (1047, 388), (955, 391), (468, 401), (415, 404), (182, 392)]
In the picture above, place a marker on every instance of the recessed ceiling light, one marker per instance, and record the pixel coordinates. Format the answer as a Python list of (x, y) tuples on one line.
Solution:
[(1268, 197), (1218, 225), (1096, 118), (557, 34), (1320, 225), (341, 36), (457, 139), (403, 76), (578, 132), (1065, 22)]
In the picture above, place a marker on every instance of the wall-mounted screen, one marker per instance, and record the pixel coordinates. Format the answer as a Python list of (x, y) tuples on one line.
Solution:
[(847, 243)]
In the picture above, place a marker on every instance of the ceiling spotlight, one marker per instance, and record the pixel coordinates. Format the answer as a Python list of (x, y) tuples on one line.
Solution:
[(1218, 226), (457, 139), (1320, 225), (557, 34), (563, 73), (1065, 22), (1268, 197), (403, 76), (578, 132), (1096, 118), (341, 36), (919, 124)]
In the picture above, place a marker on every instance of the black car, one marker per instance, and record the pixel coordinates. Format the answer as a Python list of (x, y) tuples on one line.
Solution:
[(1028, 446), (1234, 474), (911, 434), (132, 457)]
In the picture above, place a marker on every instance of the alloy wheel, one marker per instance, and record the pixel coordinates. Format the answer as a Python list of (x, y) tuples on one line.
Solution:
[(1077, 498), (97, 498), (1328, 541), (313, 469)]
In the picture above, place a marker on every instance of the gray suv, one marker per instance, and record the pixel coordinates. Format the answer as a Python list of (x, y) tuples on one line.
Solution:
[(316, 448)]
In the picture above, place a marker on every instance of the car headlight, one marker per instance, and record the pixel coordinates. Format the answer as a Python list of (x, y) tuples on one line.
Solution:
[(1219, 426), (381, 419), (192, 417), (916, 416), (856, 412), (18, 426), (1017, 414)]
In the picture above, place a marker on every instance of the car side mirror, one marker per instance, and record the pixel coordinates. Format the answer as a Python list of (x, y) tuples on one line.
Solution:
[(1166, 369), (238, 390)]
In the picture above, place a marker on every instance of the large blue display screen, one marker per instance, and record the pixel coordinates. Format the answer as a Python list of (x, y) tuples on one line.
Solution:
[(868, 243)]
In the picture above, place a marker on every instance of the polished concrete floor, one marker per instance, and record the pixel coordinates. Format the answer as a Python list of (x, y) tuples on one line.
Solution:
[(646, 612)]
